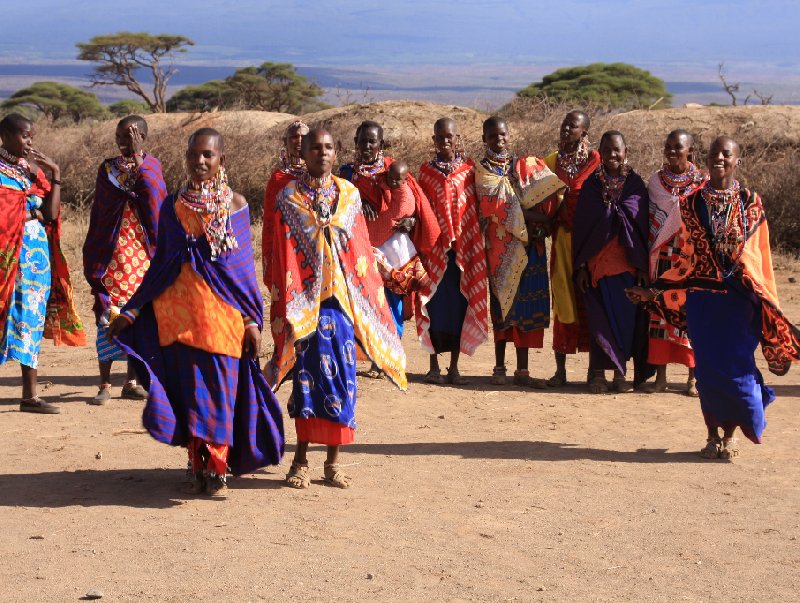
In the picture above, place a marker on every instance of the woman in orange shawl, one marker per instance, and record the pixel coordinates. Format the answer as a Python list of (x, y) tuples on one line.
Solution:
[(327, 298), (731, 303), (35, 288)]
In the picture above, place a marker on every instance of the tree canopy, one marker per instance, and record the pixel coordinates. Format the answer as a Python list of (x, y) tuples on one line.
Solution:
[(128, 106), (121, 56), (269, 87), (55, 100), (612, 84)]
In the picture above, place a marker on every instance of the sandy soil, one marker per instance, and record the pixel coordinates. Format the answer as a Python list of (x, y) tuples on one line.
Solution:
[(474, 493)]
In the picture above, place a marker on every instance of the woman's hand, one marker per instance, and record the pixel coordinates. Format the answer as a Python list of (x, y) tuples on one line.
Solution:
[(44, 160), (137, 144), (405, 225), (582, 279), (252, 341), (115, 328), (639, 294), (368, 211)]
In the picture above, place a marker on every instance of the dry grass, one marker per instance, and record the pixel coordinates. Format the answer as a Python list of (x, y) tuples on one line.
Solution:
[(769, 137)]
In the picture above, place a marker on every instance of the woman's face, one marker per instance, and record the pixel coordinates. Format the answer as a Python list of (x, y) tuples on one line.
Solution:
[(613, 153), (723, 156), (319, 153), (19, 142), (496, 137), (572, 130), (294, 140), (445, 138), (369, 144), (676, 152), (204, 158)]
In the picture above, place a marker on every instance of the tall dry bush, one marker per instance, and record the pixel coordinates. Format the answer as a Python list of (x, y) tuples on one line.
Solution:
[(769, 168)]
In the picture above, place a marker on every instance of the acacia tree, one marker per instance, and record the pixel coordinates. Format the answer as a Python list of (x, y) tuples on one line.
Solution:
[(55, 100), (123, 54), (268, 87), (617, 85)]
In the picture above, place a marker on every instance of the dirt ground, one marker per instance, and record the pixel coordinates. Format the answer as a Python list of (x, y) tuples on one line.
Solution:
[(473, 493)]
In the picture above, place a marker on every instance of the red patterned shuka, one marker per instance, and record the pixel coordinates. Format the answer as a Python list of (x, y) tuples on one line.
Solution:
[(452, 197)]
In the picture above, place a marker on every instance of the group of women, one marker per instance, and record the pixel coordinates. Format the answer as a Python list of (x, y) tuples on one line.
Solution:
[(675, 270)]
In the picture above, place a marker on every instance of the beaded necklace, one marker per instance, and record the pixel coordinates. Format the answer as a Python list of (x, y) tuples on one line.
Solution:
[(294, 166), (612, 185), (497, 163), (680, 184), (728, 222), (572, 162), (369, 169), (447, 167), (320, 194), (212, 198), (124, 171), (16, 168)]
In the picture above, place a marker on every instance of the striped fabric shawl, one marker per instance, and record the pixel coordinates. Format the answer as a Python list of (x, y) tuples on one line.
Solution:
[(455, 205), (258, 438), (105, 220)]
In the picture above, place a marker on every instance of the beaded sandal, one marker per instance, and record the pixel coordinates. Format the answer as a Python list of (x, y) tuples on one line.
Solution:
[(728, 451), (334, 476), (456, 378), (621, 386), (435, 377), (711, 449), (524, 379), (598, 385), (299, 476), (499, 375), (557, 380), (374, 372)]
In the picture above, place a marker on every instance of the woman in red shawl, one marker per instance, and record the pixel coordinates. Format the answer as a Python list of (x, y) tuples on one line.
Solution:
[(291, 168), (453, 316), (35, 289), (369, 174)]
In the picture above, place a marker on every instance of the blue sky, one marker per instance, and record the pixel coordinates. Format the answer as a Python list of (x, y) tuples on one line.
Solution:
[(319, 32)]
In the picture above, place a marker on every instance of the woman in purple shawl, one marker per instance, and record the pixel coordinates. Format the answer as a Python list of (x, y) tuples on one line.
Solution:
[(610, 253), (193, 329), (121, 240)]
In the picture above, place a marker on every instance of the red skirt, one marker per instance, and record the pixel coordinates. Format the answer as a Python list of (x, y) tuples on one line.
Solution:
[(320, 431), (663, 351), (521, 339), (570, 338)]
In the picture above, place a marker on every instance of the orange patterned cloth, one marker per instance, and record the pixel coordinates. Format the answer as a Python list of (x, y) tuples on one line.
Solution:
[(188, 311), (129, 262), (611, 260)]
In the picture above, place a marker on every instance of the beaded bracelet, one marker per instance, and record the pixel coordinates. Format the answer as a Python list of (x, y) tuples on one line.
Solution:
[(55, 181), (249, 322)]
